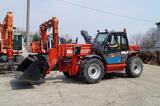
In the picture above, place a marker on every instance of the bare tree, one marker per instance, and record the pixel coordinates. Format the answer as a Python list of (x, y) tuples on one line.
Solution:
[(136, 39), (150, 38)]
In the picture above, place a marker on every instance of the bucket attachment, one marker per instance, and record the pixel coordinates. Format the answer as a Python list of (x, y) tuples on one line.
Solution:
[(33, 68)]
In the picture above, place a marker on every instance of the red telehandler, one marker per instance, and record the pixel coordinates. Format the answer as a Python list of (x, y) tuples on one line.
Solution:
[(109, 53)]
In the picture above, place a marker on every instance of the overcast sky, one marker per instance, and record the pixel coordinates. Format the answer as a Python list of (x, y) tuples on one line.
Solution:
[(72, 18)]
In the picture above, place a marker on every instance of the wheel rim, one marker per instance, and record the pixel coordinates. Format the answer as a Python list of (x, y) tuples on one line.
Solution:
[(136, 68), (94, 71)]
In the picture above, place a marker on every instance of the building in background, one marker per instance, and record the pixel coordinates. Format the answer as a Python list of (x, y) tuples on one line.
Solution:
[(158, 32)]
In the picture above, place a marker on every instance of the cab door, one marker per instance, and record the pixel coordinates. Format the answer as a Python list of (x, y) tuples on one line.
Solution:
[(116, 51)]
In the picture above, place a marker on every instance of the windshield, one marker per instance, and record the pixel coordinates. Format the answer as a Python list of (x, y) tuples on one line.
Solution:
[(50, 41), (17, 42), (100, 39)]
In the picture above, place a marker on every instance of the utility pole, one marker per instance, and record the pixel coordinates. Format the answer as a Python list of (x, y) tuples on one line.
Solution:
[(28, 24)]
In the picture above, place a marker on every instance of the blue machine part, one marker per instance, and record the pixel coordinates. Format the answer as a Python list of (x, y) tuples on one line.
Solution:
[(113, 60)]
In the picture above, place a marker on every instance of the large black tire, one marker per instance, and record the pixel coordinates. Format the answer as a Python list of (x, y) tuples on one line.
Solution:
[(92, 71), (134, 67)]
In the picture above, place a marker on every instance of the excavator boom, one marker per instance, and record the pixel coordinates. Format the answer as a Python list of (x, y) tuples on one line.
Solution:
[(35, 67), (6, 35)]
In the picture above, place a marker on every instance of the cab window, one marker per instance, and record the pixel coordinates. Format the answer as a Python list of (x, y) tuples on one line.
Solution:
[(114, 43), (100, 39), (124, 45)]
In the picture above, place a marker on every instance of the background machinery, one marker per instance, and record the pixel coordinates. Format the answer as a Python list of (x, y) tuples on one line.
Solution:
[(11, 45), (87, 38), (19, 47), (109, 53), (151, 55), (6, 47), (43, 44)]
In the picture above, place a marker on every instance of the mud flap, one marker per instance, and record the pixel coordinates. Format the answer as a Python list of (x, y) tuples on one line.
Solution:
[(33, 68)]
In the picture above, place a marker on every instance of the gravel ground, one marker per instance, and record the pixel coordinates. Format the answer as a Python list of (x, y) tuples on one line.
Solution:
[(60, 91)]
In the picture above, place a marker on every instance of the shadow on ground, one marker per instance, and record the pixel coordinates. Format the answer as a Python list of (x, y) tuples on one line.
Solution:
[(63, 79), (111, 76), (17, 85)]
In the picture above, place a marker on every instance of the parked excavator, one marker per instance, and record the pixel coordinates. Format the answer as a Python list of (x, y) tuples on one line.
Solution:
[(109, 53), (46, 42), (19, 47), (6, 47), (11, 45)]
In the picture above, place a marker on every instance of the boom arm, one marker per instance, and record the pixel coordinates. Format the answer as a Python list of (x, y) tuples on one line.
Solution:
[(6, 33), (0, 30), (53, 53), (43, 33), (53, 23), (7, 30)]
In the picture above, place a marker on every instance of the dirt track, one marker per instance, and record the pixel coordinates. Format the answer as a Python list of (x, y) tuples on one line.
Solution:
[(60, 91)]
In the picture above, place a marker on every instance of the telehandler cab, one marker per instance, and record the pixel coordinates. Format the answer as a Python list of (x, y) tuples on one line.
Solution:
[(109, 53)]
